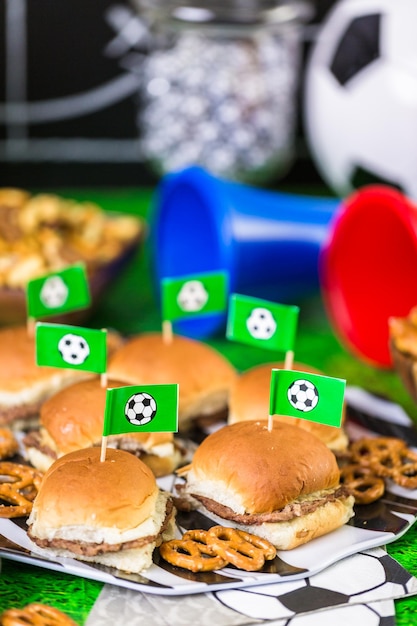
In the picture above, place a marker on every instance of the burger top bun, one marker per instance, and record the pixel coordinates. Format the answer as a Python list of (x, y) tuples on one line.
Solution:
[(253, 470), (249, 400), (81, 490), (73, 417), (203, 374), (18, 365), (24, 386)]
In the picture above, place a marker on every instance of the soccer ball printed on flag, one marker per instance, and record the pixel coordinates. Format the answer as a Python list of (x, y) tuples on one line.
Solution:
[(261, 323), (303, 395), (54, 292), (73, 349), (192, 296), (140, 409)]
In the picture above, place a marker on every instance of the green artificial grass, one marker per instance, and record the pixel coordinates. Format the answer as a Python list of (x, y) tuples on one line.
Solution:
[(21, 584)]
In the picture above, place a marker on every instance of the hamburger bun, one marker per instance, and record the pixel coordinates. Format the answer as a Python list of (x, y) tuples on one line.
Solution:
[(203, 374), (282, 485), (249, 400), (24, 386), (110, 512), (73, 418)]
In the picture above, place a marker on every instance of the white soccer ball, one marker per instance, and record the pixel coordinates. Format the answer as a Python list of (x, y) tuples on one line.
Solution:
[(360, 96), (54, 292), (140, 409), (303, 395), (261, 323), (74, 349), (192, 296)]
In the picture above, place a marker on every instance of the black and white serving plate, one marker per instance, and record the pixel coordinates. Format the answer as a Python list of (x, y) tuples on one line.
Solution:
[(373, 525)]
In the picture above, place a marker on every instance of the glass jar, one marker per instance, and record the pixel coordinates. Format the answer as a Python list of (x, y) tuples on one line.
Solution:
[(219, 86)]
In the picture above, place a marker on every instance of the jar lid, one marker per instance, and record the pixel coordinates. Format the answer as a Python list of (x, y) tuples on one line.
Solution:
[(233, 12)]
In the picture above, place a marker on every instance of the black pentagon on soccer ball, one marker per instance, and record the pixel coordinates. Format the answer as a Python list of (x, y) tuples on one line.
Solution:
[(146, 401), (358, 47), (312, 599), (362, 176), (131, 402), (303, 387)]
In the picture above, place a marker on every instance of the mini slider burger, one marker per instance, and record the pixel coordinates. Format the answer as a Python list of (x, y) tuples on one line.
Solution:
[(249, 400), (282, 485), (203, 374), (109, 512), (73, 419), (24, 386)]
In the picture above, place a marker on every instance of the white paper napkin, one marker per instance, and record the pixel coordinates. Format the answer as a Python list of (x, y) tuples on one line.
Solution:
[(360, 588)]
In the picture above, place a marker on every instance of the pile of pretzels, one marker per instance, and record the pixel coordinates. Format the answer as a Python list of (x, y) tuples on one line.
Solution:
[(374, 459), (208, 550)]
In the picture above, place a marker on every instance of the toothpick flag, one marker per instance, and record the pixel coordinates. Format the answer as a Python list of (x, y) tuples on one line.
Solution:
[(58, 292), (193, 295), (262, 323), (59, 345), (146, 408), (308, 396)]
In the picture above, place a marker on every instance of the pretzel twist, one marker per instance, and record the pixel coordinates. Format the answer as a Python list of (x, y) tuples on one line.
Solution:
[(8, 443), (243, 550), (19, 485), (35, 614), (206, 550), (191, 554), (364, 486), (405, 475), (385, 457), (368, 450)]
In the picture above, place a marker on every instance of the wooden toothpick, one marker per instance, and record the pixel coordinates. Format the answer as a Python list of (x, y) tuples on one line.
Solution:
[(103, 449), (167, 333)]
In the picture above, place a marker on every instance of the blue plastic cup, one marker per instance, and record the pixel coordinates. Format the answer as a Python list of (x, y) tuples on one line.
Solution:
[(267, 242)]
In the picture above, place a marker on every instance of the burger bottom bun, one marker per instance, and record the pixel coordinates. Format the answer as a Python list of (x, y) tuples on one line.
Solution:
[(300, 530), (133, 560), (209, 407)]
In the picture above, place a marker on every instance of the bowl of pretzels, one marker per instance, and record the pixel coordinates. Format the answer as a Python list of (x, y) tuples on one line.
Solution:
[(43, 233)]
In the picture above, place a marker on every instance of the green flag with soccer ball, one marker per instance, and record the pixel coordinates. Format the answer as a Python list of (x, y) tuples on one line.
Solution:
[(193, 295), (73, 347), (58, 292), (308, 396), (262, 323), (146, 408)]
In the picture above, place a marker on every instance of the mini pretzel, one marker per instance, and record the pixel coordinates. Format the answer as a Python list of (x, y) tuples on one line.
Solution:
[(405, 473), (241, 549), (364, 486), (35, 615), (366, 450), (190, 554), (19, 485), (8, 443)]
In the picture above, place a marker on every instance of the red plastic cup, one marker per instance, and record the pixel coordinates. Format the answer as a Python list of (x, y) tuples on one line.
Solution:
[(368, 269)]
